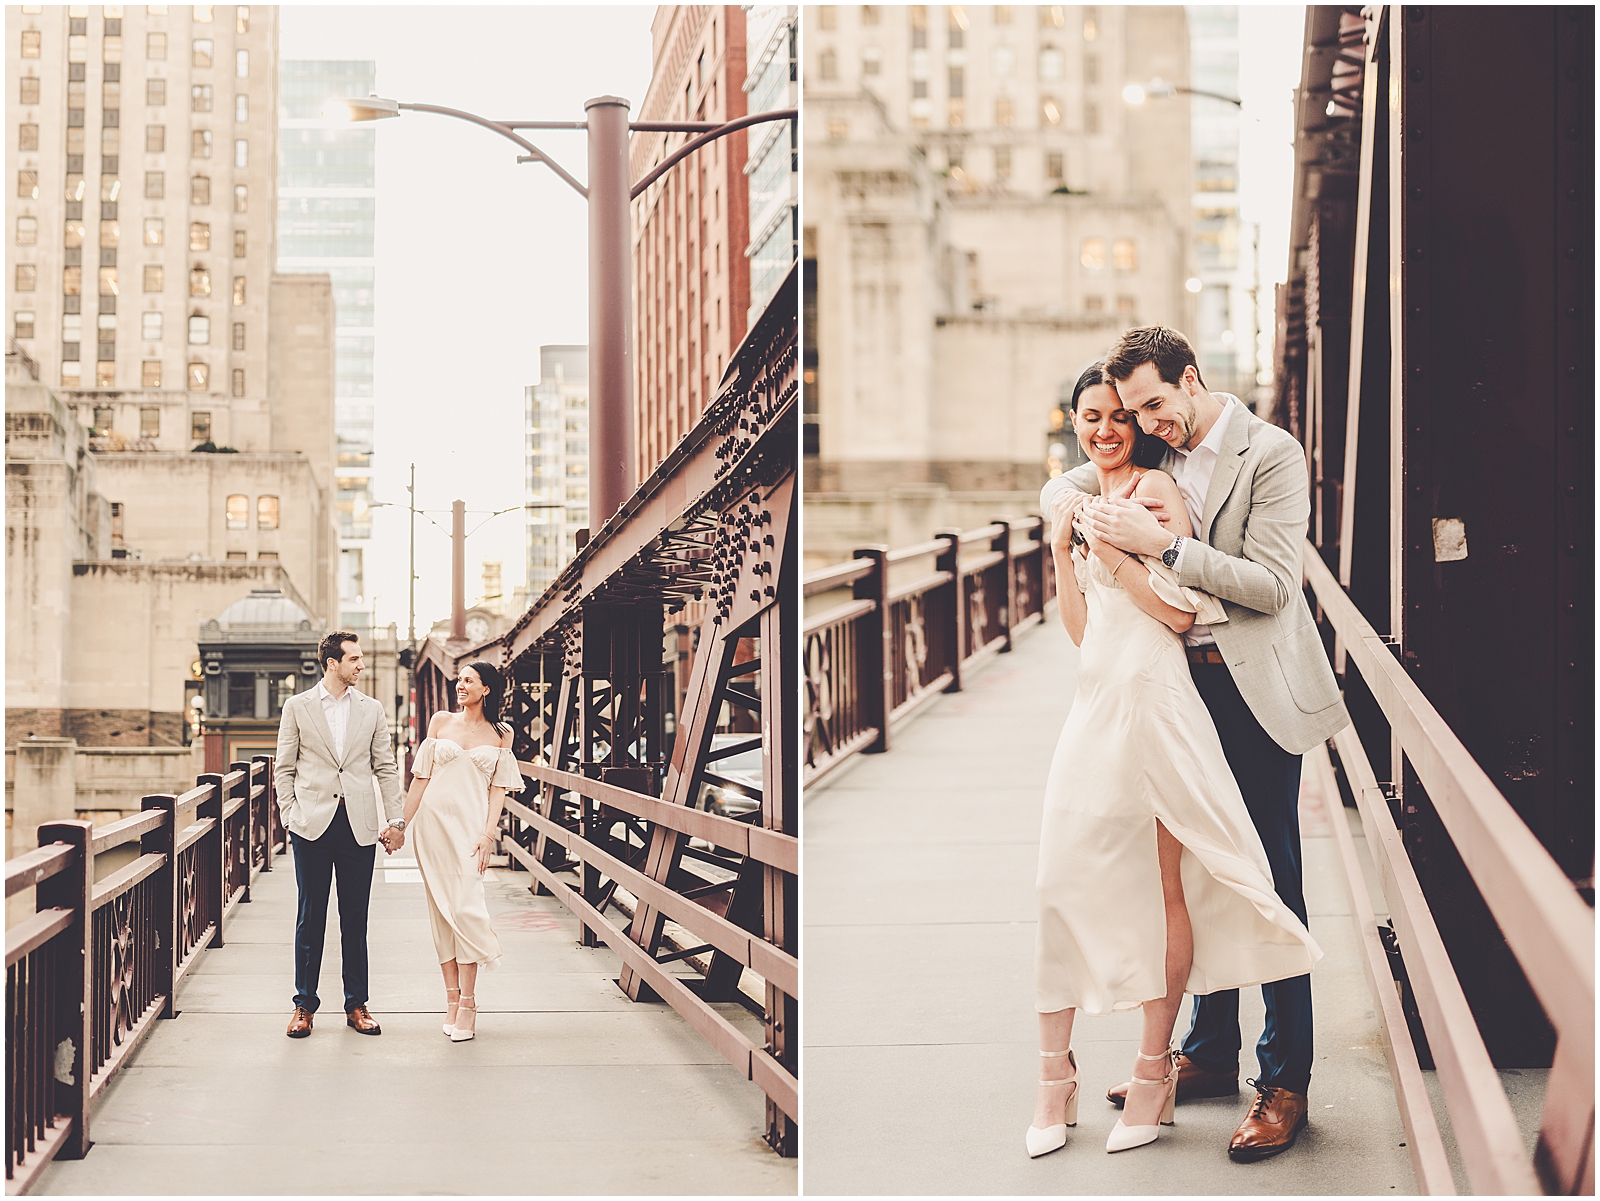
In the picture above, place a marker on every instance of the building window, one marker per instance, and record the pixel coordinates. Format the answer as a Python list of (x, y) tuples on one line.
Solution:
[(1002, 14), (155, 185), (1091, 68), (1127, 305), (1094, 304), (1052, 16), (241, 64), (110, 234), (957, 115), (957, 24), (238, 512), (239, 556), (155, 47), (27, 137), (918, 14), (869, 14), (27, 185), (238, 291), (202, 49), (242, 19), (270, 556), (150, 326), (108, 281), (27, 231), (150, 373), (200, 282), (150, 422), (155, 139), (958, 83), (200, 143), (30, 43), (154, 231), (241, 108), (1091, 23), (23, 325), (238, 335), (827, 16), (828, 63), (199, 330), (29, 89), (1002, 111), (1055, 166), (238, 243), (241, 153), (200, 190), (238, 381), (199, 377), (71, 279), (241, 198), (155, 92), (103, 416), (105, 375), (1092, 254), (202, 12), (872, 61), (1124, 256), (70, 373), (153, 277), (199, 236), (266, 512), (1051, 63), (1091, 117), (200, 426), (200, 98), (919, 89), (1002, 162)]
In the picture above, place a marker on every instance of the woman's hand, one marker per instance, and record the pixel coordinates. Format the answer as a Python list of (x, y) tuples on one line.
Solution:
[(1064, 513), (481, 850)]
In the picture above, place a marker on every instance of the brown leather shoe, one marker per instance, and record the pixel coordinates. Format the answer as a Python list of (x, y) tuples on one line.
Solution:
[(300, 1023), (360, 1020), (1275, 1120), (1193, 1081)]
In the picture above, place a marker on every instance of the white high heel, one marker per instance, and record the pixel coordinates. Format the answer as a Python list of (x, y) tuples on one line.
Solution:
[(450, 1027), (1125, 1138), (1053, 1138), (457, 1034)]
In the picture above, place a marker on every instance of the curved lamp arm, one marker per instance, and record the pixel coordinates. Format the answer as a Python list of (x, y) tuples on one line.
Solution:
[(688, 148), (533, 151)]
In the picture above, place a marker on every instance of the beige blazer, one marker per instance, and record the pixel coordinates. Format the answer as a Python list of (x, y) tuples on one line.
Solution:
[(1247, 553), (310, 778)]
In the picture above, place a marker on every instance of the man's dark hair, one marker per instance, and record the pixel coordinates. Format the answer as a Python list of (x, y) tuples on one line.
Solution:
[(1166, 348), (332, 647)]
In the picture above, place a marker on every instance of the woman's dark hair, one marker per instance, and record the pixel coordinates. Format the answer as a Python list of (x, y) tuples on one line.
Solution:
[(1147, 451), (495, 681)]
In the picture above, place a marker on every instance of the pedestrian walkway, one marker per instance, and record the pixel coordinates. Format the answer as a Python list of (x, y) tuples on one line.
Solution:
[(569, 1087), (922, 1046)]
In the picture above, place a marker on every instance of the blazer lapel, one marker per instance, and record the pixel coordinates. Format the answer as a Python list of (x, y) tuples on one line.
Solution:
[(319, 723), (355, 727), (1229, 461)]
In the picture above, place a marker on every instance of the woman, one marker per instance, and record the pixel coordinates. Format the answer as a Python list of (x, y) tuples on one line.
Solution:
[(1144, 827), (463, 771)]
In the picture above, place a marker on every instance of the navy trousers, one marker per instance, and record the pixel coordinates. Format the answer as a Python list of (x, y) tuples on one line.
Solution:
[(1269, 778), (316, 862)]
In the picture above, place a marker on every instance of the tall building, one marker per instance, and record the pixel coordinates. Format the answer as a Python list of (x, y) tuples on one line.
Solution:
[(772, 32), (1225, 324), (326, 225), (169, 398), (983, 215), (691, 228), (557, 455)]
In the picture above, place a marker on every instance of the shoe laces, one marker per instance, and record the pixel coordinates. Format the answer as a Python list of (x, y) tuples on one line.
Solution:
[(1264, 1095)]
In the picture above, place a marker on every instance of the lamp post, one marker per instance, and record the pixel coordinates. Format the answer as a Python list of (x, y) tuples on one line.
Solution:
[(612, 454), (1137, 93)]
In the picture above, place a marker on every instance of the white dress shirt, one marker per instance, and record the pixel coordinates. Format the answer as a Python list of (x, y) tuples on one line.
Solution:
[(1192, 471), (337, 712)]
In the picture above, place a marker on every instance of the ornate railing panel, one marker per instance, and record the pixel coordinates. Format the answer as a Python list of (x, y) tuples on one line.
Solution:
[(88, 974)]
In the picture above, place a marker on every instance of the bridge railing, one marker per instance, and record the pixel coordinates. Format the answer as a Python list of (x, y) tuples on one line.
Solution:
[(875, 658), (1547, 925), (97, 963)]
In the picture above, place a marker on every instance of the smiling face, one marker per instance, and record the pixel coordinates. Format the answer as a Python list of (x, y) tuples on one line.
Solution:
[(348, 668), (1166, 410), (1105, 429), (470, 690)]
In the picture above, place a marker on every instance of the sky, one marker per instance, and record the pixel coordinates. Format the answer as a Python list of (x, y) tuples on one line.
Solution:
[(479, 260)]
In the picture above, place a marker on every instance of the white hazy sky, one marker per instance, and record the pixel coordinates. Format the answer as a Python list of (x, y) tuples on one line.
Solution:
[(480, 261)]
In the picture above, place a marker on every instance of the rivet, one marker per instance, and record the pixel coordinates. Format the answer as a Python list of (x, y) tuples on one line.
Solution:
[(1572, 133), (1416, 131), (1416, 74), (1572, 193), (1416, 191), (1572, 313), (1572, 252)]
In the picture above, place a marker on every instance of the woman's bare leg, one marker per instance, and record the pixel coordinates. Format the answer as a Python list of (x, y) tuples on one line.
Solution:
[(467, 1017), (1055, 1034), (1144, 1104), (452, 985)]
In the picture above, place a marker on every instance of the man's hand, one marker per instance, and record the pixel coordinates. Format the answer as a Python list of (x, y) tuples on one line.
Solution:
[(1157, 507), (392, 838), (1125, 524)]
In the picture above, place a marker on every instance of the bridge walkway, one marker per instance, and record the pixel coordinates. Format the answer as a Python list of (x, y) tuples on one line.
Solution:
[(921, 1044), (569, 1088)]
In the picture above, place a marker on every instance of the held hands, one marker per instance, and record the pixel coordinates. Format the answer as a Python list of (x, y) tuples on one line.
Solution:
[(392, 839)]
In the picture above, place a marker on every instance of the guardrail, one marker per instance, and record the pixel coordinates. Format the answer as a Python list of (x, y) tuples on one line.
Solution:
[(1548, 927), (872, 661), (100, 960), (735, 845)]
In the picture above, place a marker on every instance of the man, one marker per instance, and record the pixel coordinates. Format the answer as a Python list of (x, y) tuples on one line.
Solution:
[(332, 742), (1263, 674)]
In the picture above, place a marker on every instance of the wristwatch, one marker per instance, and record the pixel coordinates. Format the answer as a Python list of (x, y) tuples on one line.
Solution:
[(399, 823), (1169, 557)]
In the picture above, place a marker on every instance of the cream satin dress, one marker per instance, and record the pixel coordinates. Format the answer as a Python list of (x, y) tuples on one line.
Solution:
[(1139, 745), (448, 823)]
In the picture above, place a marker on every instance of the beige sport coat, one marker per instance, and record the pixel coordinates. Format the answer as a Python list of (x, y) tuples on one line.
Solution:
[(310, 778), (1247, 553)]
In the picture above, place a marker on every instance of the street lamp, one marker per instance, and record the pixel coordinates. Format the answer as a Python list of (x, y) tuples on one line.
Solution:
[(1137, 93), (612, 454)]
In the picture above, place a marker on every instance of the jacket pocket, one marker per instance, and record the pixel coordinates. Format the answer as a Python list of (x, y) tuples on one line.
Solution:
[(1306, 670)]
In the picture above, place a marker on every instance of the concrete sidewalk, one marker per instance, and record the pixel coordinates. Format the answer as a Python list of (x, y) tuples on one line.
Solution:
[(569, 1087), (921, 1046)]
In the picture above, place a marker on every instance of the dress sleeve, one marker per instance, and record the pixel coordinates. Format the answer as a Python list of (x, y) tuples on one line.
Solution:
[(422, 765), (1206, 608), (507, 774)]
